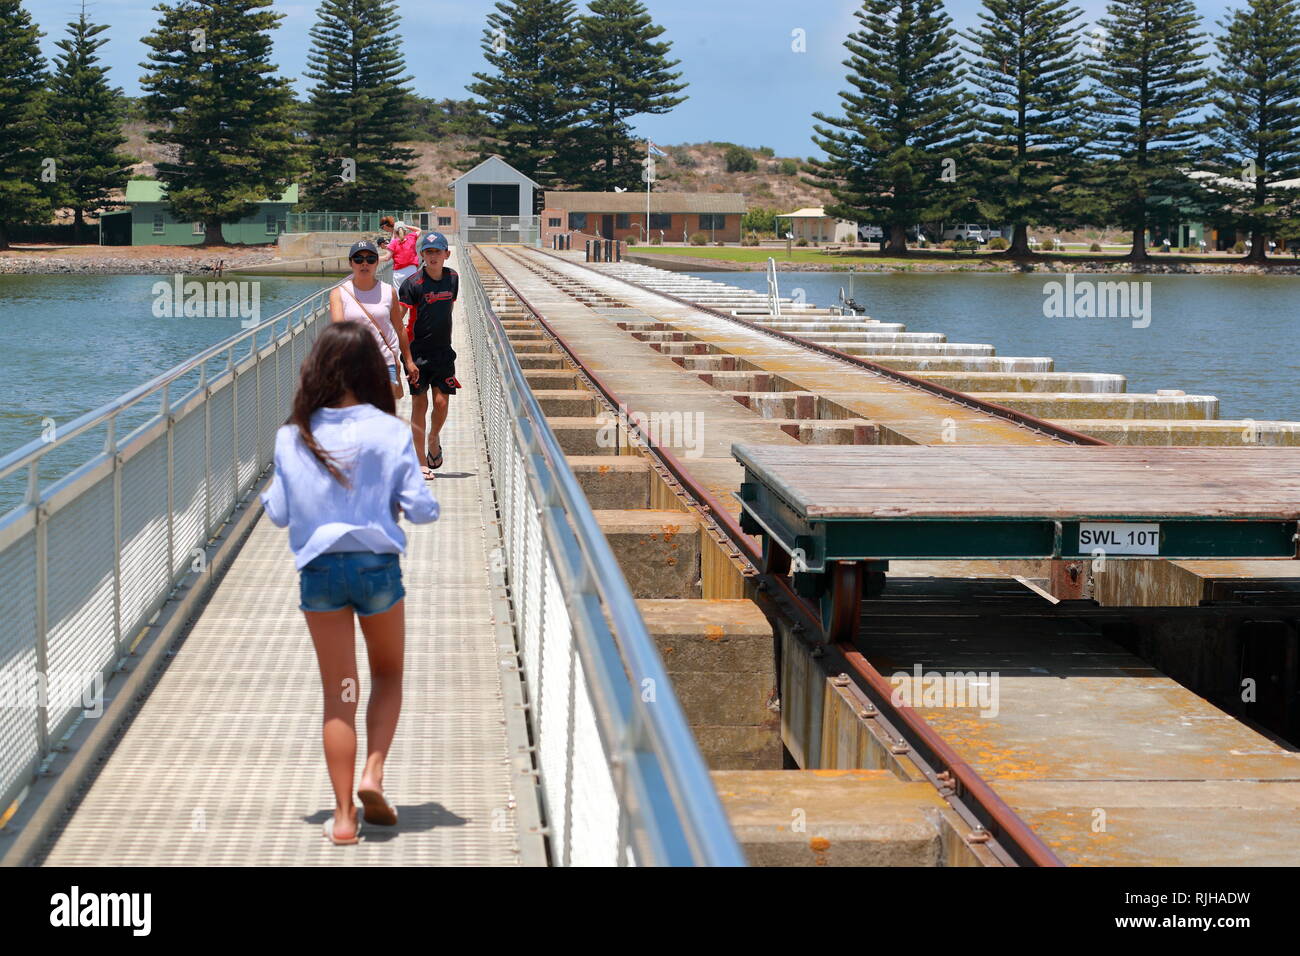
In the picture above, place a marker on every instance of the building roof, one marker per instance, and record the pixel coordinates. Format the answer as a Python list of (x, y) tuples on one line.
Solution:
[(631, 201), (807, 212), (494, 159), (152, 190)]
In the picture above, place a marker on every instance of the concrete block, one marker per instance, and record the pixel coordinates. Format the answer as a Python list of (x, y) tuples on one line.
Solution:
[(832, 817), (1059, 406), (567, 403), (551, 379), (584, 435), (1082, 382), (658, 551), (1216, 432), (613, 482)]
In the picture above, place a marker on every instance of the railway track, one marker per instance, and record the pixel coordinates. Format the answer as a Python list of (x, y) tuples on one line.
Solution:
[(905, 407)]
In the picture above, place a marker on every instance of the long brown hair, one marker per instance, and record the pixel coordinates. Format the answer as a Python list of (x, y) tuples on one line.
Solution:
[(344, 359)]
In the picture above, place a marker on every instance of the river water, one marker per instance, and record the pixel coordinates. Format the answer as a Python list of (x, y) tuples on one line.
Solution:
[(1230, 336), (71, 343)]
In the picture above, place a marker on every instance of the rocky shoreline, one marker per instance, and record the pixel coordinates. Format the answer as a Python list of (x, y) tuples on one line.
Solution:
[(1154, 267), (37, 263)]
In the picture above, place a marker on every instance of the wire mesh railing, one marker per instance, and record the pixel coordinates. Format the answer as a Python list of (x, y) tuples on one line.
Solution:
[(358, 221), (91, 556), (622, 779)]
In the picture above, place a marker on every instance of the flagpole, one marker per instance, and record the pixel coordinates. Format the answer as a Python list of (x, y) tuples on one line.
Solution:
[(647, 192)]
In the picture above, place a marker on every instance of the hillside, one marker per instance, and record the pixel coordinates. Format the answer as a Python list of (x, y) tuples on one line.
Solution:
[(694, 167)]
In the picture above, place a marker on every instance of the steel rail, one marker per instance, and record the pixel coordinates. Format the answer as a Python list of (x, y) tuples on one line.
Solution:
[(970, 792), (1023, 419)]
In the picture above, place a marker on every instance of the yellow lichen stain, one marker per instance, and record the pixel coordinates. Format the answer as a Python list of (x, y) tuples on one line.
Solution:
[(604, 469), (670, 531), (715, 632), (670, 561), (819, 846)]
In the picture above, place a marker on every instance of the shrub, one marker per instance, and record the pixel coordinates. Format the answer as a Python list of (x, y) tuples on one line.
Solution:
[(740, 160), (656, 240), (699, 239), (1239, 248), (997, 242), (750, 240), (682, 157), (1189, 250), (767, 151), (789, 167), (1095, 247), (801, 241), (759, 219), (719, 243)]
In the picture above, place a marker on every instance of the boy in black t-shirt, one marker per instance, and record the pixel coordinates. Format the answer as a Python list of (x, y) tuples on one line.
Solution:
[(429, 295)]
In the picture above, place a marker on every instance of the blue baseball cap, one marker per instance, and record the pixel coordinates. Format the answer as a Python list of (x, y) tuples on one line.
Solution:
[(432, 240)]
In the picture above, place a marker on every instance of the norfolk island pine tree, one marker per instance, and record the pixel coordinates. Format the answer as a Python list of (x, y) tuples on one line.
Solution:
[(358, 109), (1147, 84), (533, 99), (86, 120), (1254, 121), (627, 74), (24, 130), (1024, 72), (906, 115), (220, 108)]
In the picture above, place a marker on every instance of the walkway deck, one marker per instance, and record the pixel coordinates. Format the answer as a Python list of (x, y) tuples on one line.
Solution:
[(223, 765)]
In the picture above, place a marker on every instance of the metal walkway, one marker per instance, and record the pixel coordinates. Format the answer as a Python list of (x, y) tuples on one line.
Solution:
[(224, 765), (527, 735)]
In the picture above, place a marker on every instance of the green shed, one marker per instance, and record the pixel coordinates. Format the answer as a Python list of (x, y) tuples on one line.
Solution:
[(152, 223)]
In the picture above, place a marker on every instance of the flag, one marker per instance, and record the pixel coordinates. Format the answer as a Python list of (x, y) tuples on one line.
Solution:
[(654, 150)]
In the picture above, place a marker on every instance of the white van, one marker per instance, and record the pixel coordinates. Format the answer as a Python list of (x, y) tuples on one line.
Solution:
[(969, 230)]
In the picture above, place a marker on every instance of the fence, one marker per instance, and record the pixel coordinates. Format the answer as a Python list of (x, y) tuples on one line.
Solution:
[(622, 779), (501, 229), (86, 562), (355, 221)]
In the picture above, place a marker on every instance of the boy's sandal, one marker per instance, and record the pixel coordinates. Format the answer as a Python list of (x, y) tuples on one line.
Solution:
[(434, 462)]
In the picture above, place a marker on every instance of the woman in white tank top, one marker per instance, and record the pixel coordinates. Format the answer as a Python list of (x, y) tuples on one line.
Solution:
[(373, 304)]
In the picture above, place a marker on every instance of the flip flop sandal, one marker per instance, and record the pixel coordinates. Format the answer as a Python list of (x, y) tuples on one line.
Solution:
[(376, 809), (431, 461), (329, 833)]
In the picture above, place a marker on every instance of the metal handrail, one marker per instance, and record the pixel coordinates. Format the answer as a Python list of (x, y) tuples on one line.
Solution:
[(677, 814)]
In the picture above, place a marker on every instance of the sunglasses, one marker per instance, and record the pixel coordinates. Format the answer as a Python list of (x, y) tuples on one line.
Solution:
[(369, 260)]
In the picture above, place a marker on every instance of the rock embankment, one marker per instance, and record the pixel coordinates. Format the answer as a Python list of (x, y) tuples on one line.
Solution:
[(128, 260)]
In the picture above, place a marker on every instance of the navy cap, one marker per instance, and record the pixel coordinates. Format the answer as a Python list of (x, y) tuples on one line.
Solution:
[(432, 240), (362, 245)]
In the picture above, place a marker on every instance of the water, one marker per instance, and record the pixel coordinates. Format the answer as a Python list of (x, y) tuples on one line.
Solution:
[(70, 344), (1230, 336)]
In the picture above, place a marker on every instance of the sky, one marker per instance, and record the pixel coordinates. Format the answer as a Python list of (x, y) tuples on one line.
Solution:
[(748, 85)]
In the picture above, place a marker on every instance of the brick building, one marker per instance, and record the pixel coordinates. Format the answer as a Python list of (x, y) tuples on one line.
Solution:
[(674, 216)]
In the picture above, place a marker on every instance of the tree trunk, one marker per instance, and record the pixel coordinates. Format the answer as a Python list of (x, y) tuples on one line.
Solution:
[(897, 240), (1139, 253), (212, 234), (1258, 247), (78, 224), (1019, 248), (4, 236)]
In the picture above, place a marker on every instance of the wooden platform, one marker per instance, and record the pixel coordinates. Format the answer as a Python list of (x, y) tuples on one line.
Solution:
[(974, 502)]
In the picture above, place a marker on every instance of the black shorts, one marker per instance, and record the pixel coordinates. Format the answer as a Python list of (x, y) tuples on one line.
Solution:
[(437, 369)]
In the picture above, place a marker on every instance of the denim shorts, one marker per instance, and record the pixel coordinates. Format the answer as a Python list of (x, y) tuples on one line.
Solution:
[(392, 374), (369, 582)]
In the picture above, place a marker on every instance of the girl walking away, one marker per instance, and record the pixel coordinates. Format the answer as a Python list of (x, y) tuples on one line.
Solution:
[(344, 472), (374, 304)]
